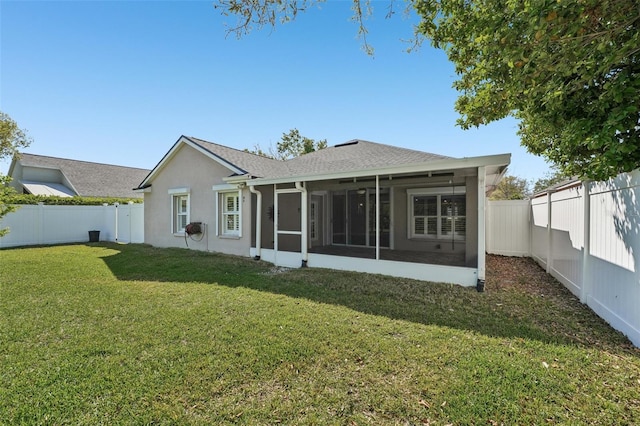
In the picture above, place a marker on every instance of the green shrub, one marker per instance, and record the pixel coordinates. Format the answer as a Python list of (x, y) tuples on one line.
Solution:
[(66, 201)]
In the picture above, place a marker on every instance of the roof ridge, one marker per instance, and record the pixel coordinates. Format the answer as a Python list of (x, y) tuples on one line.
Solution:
[(20, 154), (401, 147), (244, 151)]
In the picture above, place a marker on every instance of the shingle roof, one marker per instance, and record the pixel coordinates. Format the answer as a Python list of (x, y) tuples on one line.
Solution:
[(355, 155), (349, 156), (255, 165), (92, 179)]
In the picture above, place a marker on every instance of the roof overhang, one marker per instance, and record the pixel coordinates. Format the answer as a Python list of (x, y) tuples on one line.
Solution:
[(140, 189), (184, 140), (494, 165)]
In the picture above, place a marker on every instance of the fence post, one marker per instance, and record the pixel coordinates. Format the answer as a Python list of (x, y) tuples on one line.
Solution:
[(586, 244), (106, 234), (41, 224), (530, 218), (116, 230), (549, 234), (130, 213)]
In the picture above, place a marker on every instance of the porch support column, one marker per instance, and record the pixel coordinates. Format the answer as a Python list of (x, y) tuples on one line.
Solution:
[(304, 220), (258, 221), (481, 229), (377, 217), (275, 224)]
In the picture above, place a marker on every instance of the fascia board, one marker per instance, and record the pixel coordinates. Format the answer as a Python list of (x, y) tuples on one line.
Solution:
[(224, 187), (183, 140), (163, 161), (217, 158), (431, 166), (237, 179)]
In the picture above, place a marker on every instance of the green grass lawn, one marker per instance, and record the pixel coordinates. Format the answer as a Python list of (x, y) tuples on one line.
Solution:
[(121, 334)]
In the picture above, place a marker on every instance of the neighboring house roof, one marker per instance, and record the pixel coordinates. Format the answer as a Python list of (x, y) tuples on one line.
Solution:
[(563, 184), (349, 158), (75, 177)]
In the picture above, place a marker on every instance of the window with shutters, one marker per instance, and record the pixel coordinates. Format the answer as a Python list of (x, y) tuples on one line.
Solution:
[(231, 215), (437, 213)]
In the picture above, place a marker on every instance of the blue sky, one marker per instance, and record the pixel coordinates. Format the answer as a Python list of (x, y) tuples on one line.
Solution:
[(119, 81)]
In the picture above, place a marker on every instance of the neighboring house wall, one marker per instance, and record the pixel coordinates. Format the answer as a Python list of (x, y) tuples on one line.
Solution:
[(591, 244), (189, 169), (15, 179), (43, 175), (43, 224)]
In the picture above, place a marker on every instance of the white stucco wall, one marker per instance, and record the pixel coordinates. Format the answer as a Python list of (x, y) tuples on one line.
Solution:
[(191, 169)]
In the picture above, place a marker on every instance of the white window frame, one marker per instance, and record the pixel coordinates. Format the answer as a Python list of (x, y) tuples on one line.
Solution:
[(438, 193), (176, 194), (223, 214)]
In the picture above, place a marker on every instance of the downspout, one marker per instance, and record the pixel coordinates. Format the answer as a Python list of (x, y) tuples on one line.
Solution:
[(258, 221), (303, 223)]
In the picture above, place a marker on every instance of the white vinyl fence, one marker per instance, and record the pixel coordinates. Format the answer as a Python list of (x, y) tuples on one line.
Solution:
[(587, 235), (507, 228), (42, 224)]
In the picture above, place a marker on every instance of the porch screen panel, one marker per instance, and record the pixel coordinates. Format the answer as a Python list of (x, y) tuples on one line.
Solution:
[(385, 217), (339, 210), (357, 217)]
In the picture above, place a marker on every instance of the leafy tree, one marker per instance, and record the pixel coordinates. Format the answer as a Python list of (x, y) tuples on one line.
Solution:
[(569, 71), (511, 188), (291, 145), (551, 178), (12, 138), (261, 13)]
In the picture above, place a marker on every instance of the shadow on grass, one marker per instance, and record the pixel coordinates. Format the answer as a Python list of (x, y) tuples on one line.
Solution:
[(525, 304)]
